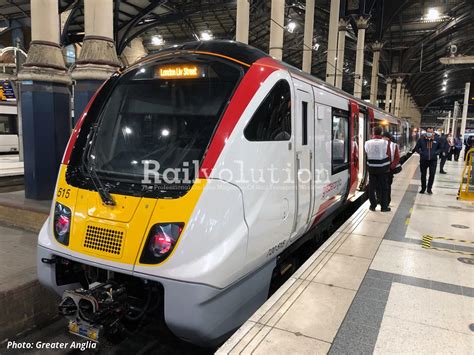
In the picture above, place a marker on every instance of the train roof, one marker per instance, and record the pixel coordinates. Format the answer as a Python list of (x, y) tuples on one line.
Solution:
[(249, 55), (236, 50)]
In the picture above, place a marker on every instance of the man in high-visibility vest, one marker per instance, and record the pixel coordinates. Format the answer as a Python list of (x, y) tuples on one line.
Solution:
[(378, 164)]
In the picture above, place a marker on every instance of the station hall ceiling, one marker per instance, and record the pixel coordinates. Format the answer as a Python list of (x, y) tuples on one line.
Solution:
[(415, 33)]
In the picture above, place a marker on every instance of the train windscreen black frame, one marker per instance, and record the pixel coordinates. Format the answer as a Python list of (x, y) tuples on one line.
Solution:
[(169, 120)]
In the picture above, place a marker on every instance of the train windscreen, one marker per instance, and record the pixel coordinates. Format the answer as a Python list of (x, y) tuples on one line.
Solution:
[(161, 113)]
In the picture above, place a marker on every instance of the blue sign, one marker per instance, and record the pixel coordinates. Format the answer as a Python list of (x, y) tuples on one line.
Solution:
[(6, 91)]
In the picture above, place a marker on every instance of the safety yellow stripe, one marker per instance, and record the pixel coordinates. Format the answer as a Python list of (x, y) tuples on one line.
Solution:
[(426, 244), (450, 239)]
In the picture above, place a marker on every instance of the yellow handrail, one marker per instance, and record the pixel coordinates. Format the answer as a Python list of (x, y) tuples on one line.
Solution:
[(464, 193)]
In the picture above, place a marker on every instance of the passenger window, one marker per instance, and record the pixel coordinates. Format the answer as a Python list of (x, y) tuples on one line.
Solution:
[(272, 120), (340, 140), (305, 122), (8, 124)]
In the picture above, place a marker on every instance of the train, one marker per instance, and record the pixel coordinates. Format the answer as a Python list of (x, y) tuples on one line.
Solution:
[(8, 129), (187, 177)]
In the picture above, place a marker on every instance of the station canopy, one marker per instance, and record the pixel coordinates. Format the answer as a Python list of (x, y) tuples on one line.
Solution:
[(415, 33)]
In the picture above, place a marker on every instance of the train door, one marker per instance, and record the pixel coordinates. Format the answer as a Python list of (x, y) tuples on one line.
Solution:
[(363, 127), (354, 148), (304, 141)]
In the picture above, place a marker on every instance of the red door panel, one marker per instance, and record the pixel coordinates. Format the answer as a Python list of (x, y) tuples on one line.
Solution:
[(354, 153)]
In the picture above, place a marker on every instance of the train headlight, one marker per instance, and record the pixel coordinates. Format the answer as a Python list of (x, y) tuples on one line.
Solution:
[(62, 223), (161, 241)]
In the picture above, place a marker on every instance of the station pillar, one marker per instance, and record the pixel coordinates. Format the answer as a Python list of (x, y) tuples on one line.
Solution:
[(388, 94), (374, 82), (405, 102), (242, 21), (277, 23), (408, 105), (341, 46), (133, 51), (398, 96), (359, 68), (98, 58), (464, 109), (308, 36), (392, 105), (44, 102), (448, 122), (332, 42), (402, 100)]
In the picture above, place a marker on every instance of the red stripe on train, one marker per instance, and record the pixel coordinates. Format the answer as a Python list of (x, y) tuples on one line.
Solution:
[(77, 129), (247, 88), (322, 209)]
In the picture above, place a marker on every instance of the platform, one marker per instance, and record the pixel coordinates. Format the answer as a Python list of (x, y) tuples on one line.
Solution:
[(24, 303), (16, 210), (374, 288)]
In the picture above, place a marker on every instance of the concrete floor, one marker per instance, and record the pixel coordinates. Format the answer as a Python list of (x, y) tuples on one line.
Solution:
[(374, 287)]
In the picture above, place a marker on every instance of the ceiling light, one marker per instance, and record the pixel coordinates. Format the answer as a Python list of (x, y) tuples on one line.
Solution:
[(206, 35), (443, 88), (433, 15), (445, 82), (291, 27), (445, 75), (157, 40)]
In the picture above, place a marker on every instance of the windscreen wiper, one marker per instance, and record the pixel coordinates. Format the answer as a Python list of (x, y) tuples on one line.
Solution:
[(99, 186), (90, 168)]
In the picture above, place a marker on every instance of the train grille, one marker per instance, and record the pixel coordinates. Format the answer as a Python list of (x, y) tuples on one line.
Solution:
[(104, 241)]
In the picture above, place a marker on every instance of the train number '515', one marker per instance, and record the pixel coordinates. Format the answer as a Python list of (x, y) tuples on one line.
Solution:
[(62, 192)]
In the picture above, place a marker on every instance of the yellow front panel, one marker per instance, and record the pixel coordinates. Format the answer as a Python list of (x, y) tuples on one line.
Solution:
[(131, 233), (118, 233)]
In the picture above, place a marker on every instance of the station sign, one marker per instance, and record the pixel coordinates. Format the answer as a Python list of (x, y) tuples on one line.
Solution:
[(6, 91)]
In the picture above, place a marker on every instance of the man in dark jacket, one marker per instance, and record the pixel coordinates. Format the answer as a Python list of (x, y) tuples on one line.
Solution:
[(429, 148), (469, 142), (444, 149)]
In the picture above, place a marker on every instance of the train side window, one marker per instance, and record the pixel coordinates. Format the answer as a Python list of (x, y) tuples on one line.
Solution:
[(272, 120), (340, 141), (8, 124), (305, 122)]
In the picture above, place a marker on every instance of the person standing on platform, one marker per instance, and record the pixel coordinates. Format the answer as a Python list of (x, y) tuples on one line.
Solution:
[(395, 166), (457, 147), (444, 149), (429, 149), (451, 146), (469, 141), (378, 163)]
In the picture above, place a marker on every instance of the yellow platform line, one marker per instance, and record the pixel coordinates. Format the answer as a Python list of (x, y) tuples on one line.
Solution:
[(451, 239), (453, 251), (426, 244)]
